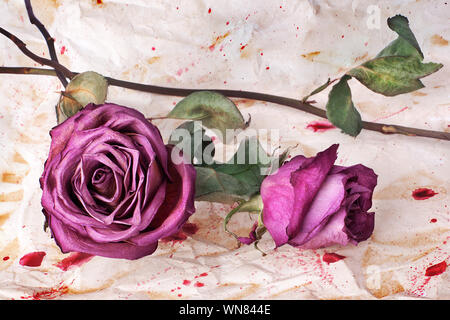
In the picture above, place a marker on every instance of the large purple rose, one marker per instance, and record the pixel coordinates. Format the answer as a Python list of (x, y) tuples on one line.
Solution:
[(110, 185), (312, 203)]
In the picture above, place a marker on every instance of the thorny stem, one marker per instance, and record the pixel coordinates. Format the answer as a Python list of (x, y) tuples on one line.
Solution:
[(289, 102)]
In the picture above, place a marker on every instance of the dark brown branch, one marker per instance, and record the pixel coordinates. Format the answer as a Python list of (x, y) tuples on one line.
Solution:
[(293, 103), (43, 61), (48, 39)]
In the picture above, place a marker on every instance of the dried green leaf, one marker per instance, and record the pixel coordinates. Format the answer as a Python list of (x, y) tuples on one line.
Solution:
[(213, 109), (393, 75), (406, 44), (340, 109)]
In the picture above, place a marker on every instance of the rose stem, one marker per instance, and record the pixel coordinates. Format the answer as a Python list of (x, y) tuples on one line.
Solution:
[(293, 103), (48, 39)]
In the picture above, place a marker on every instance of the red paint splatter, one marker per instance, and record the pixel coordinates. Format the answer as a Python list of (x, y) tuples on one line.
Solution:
[(190, 228), (63, 49), (153, 48), (228, 22), (320, 126), (186, 282), (199, 284), (177, 237), (433, 220), (32, 259), (212, 47), (75, 259), (5, 258), (204, 274), (332, 257), (436, 269), (342, 36), (392, 114), (209, 10), (423, 193), (243, 47), (51, 293), (180, 236), (267, 68)]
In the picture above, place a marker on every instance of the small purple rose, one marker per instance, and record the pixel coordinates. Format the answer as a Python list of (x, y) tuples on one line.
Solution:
[(111, 187), (312, 203)]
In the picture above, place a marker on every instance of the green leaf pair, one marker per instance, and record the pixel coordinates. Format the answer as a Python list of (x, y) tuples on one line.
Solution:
[(237, 179), (397, 69)]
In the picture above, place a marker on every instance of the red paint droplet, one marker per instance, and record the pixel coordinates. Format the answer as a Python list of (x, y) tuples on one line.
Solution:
[(204, 274), (63, 49), (332, 257), (243, 47), (179, 294), (209, 10), (5, 258), (433, 220), (186, 282), (32, 259), (320, 126), (199, 284), (75, 259), (228, 22), (153, 48), (262, 53), (267, 68), (436, 269), (342, 36), (423, 193), (190, 228)]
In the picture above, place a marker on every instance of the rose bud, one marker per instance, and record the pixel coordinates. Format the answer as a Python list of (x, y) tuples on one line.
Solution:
[(110, 185), (312, 203), (84, 88)]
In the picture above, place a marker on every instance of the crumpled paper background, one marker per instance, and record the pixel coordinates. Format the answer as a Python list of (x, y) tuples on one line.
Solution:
[(281, 47)]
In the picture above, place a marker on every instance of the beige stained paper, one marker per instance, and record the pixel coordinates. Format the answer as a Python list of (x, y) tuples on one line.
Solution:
[(285, 48)]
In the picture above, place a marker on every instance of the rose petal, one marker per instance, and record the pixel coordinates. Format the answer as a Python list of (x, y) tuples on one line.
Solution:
[(277, 195), (178, 204), (69, 241), (307, 182), (327, 202), (332, 233), (251, 236), (365, 181)]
